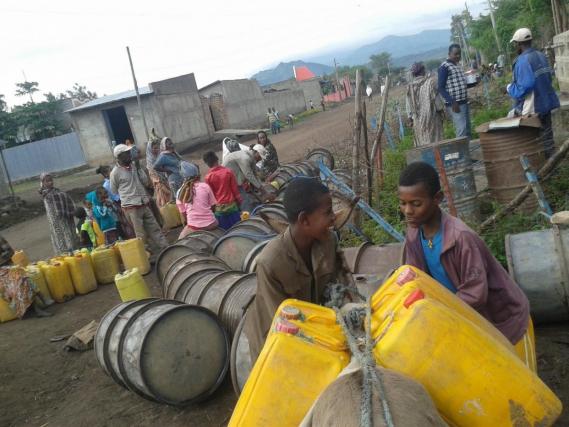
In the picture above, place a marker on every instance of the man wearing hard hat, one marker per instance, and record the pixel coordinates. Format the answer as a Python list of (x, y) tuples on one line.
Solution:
[(531, 87)]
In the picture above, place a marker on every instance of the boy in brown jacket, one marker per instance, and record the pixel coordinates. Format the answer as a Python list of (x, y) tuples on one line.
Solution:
[(454, 255)]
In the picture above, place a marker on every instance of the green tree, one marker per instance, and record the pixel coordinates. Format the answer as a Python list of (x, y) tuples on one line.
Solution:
[(39, 120), (381, 63), (3, 104), (81, 93), (27, 88)]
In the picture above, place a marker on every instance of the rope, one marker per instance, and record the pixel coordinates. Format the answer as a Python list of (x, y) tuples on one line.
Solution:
[(371, 377), (334, 294)]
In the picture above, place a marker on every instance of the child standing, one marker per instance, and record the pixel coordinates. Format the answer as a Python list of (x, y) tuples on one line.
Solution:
[(224, 186), (87, 237), (105, 216), (454, 255), (195, 201)]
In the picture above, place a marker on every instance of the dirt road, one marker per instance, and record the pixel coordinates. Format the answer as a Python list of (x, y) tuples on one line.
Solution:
[(42, 385)]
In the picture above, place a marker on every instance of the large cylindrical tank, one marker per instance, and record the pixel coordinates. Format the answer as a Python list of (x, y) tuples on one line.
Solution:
[(163, 350), (501, 150), (539, 262), (455, 155)]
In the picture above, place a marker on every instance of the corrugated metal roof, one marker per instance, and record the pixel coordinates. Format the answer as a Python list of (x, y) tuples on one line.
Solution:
[(146, 90)]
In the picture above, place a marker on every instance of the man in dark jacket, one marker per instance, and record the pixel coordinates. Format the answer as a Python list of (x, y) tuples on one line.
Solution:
[(532, 88)]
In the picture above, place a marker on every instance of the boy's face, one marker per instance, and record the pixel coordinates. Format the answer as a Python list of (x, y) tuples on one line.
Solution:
[(319, 223), (102, 195), (417, 205)]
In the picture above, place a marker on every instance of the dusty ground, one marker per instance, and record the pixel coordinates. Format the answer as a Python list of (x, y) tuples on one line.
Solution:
[(42, 385)]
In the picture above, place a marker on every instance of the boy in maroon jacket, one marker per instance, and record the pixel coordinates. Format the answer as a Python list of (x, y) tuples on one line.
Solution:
[(454, 255)]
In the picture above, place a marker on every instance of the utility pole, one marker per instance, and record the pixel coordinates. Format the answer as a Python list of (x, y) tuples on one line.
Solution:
[(138, 95), (356, 143), (337, 78), (494, 27)]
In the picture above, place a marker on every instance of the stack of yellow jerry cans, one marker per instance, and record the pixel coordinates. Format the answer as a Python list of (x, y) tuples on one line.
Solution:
[(304, 352), (469, 368)]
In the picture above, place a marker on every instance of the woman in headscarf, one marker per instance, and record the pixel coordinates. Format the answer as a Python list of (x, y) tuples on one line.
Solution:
[(270, 163), (195, 201), (60, 209), (424, 107), (125, 228), (169, 162), (162, 192)]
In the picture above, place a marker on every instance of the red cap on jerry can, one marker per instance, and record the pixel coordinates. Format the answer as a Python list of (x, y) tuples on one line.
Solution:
[(286, 327), (415, 296)]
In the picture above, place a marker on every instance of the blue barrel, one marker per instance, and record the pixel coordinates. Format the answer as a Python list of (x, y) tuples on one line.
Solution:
[(455, 154)]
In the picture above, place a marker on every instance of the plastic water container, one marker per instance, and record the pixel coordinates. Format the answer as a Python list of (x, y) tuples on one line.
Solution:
[(6, 312), (474, 379), (304, 352), (82, 273), (134, 255), (131, 286), (20, 258), (105, 264), (35, 274), (58, 280), (407, 279), (170, 215)]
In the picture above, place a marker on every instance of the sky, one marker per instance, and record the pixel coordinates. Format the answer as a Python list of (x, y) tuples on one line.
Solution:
[(61, 42)]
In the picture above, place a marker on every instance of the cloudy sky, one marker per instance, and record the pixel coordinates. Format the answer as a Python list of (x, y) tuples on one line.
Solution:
[(61, 42)]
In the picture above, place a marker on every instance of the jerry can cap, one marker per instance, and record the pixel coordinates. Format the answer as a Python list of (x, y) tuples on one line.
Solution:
[(285, 326), (406, 276), (290, 312), (413, 297)]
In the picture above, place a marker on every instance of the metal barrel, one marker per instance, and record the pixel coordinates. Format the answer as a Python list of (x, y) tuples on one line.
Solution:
[(323, 155), (185, 267), (169, 255), (254, 225), (539, 263), (373, 259), (234, 247), (139, 342), (273, 211), (207, 236), (501, 150), (455, 154), (226, 294), (198, 242), (250, 262), (240, 359)]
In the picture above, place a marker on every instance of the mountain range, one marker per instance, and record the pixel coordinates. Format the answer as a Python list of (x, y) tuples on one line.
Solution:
[(404, 50)]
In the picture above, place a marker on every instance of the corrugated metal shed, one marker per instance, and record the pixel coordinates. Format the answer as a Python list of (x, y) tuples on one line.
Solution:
[(146, 90)]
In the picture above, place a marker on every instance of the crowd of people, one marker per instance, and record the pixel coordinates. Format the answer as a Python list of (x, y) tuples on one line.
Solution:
[(130, 197), (531, 90)]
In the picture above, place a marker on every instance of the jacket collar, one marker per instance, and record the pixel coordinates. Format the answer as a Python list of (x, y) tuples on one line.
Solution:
[(449, 237), (316, 254)]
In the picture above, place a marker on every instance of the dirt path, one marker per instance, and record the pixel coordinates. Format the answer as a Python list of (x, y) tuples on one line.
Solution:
[(42, 385)]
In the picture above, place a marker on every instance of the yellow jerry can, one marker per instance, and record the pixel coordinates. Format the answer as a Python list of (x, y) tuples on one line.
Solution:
[(6, 312), (20, 258), (134, 255), (407, 279), (105, 264), (58, 280), (170, 215), (131, 286), (474, 379), (82, 273), (304, 352), (35, 274)]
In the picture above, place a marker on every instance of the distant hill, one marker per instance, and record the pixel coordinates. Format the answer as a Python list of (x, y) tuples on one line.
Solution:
[(407, 60), (400, 46), (284, 71)]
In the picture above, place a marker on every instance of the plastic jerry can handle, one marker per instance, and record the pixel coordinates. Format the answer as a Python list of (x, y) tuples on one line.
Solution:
[(406, 276), (413, 297)]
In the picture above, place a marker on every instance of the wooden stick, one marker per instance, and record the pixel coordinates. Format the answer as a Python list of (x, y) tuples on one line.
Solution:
[(543, 173), (366, 152), (444, 180), (376, 153), (356, 143)]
